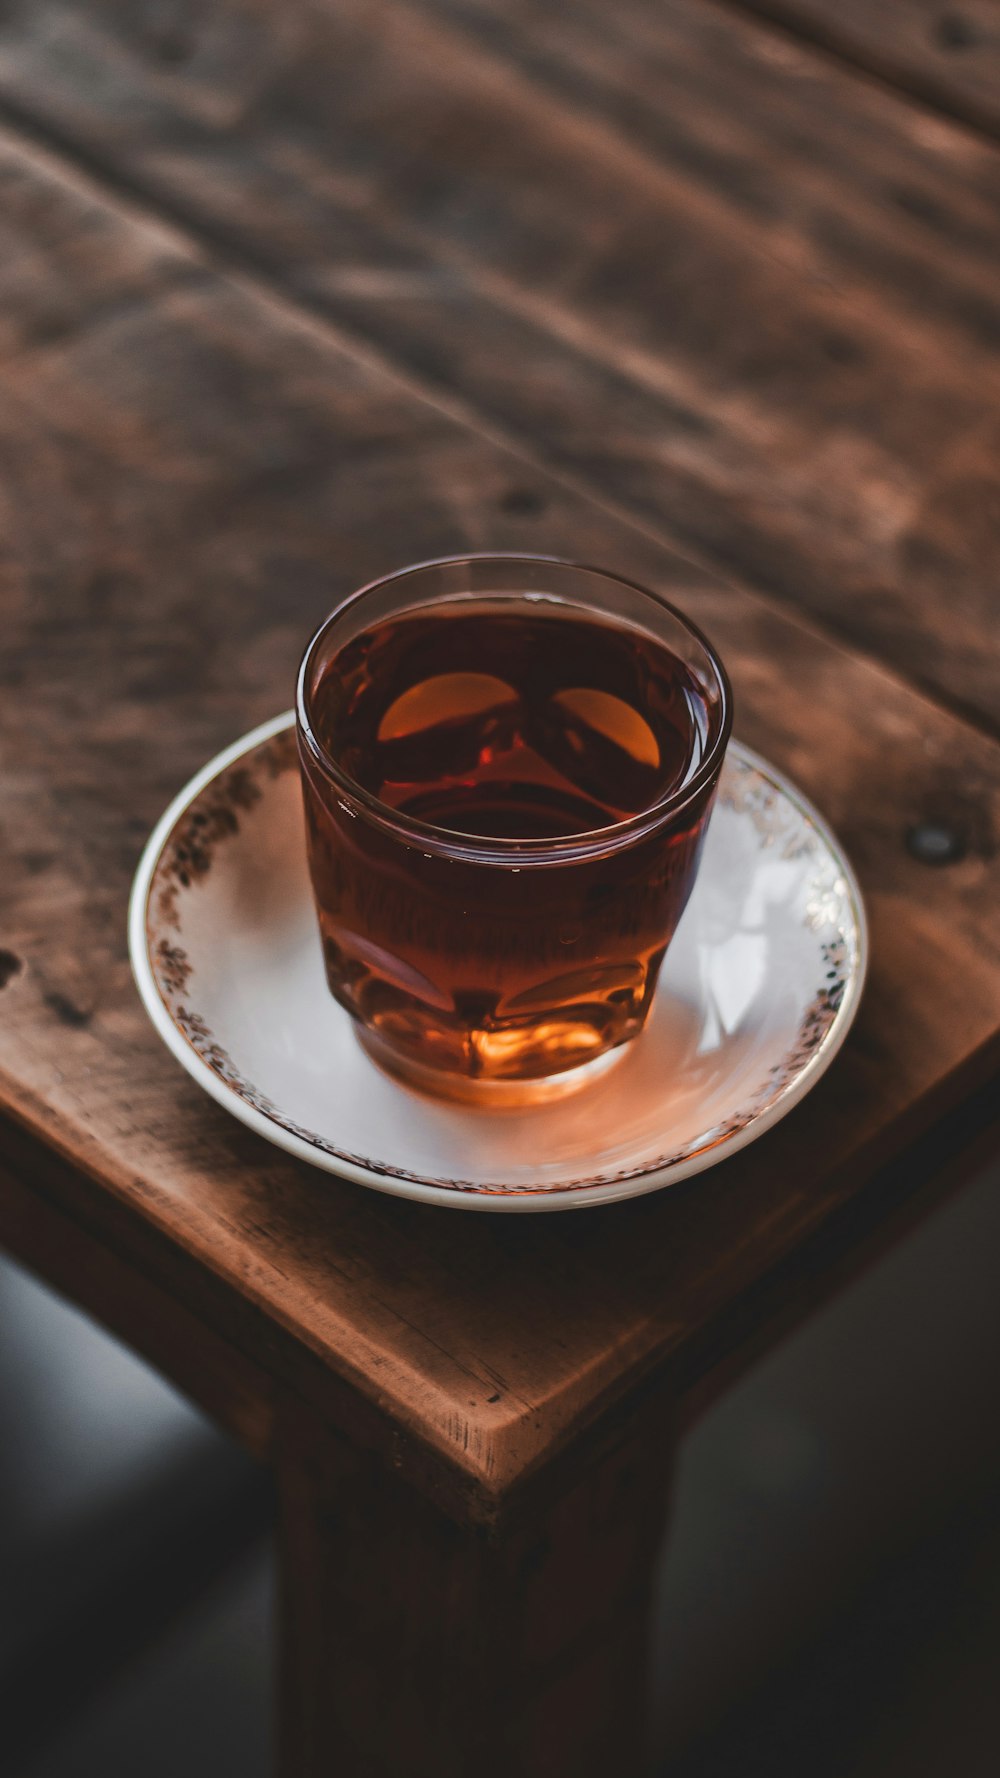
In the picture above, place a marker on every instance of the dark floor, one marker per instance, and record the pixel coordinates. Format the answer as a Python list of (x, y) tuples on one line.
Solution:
[(198, 1705), (831, 1589)]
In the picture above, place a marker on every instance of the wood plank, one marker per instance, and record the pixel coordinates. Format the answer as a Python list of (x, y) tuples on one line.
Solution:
[(946, 55), (189, 483), (153, 1321), (741, 295)]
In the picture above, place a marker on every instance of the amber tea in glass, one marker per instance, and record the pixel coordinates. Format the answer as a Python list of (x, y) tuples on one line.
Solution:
[(508, 766)]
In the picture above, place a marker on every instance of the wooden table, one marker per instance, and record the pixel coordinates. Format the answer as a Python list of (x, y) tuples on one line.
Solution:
[(290, 295)]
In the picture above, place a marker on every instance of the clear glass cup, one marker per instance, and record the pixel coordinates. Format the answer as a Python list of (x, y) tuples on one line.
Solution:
[(508, 765)]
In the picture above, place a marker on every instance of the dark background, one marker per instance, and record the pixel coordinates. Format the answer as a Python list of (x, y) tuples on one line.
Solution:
[(829, 1603)]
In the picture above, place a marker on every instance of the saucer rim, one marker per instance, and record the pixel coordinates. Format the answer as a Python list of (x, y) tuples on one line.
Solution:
[(522, 1199)]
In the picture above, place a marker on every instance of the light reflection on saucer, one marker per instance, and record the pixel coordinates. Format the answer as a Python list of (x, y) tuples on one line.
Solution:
[(757, 992)]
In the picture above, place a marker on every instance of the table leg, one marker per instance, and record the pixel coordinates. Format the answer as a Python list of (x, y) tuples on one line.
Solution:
[(415, 1646)]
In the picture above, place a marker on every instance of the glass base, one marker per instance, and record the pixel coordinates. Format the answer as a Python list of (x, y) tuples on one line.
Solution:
[(493, 1094)]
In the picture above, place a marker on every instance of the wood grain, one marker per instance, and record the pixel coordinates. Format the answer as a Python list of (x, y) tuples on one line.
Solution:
[(155, 1321), (189, 480), (738, 293), (414, 1645), (947, 55)]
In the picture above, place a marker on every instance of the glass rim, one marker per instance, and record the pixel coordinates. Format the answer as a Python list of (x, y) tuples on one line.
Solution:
[(450, 842)]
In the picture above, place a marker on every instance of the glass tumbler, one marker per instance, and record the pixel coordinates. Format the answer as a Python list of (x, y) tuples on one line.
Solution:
[(508, 765)]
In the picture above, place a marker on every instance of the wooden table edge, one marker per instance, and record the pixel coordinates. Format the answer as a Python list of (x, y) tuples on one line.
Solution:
[(247, 1370)]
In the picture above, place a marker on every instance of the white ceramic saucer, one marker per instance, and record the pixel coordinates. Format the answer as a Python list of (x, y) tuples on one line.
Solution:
[(757, 994)]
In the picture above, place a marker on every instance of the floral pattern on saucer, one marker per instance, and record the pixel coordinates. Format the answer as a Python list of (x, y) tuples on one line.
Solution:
[(177, 970)]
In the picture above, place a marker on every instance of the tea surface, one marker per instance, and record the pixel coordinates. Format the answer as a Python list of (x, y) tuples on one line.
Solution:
[(513, 724)]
